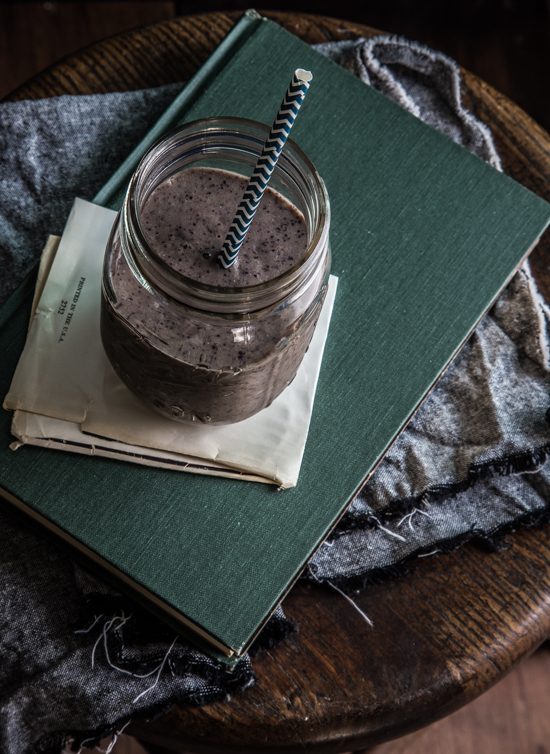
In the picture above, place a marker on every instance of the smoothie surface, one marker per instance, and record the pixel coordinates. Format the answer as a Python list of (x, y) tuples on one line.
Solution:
[(186, 219)]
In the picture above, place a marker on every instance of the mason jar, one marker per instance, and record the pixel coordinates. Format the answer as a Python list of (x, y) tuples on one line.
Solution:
[(190, 350)]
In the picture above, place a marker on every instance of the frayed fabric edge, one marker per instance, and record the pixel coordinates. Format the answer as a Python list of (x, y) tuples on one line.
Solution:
[(488, 541), (366, 48), (98, 606), (54, 742), (275, 631), (237, 681), (529, 461)]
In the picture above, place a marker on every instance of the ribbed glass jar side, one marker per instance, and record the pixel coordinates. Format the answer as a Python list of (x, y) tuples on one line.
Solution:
[(196, 352)]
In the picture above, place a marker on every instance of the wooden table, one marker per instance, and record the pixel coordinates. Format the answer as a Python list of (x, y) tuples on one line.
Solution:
[(443, 634)]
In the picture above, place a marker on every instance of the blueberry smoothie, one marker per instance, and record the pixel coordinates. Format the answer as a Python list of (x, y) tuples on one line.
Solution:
[(188, 364), (187, 217)]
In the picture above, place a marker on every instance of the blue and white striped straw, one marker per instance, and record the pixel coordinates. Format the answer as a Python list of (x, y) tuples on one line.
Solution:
[(264, 167)]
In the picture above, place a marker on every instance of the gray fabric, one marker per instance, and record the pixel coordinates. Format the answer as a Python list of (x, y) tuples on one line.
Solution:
[(451, 474), (57, 684), (55, 149), (487, 415), (427, 531), (421, 80)]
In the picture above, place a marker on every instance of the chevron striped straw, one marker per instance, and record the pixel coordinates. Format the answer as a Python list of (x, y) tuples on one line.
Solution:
[(264, 167)]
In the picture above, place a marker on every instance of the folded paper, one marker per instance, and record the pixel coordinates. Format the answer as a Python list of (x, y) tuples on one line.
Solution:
[(66, 394)]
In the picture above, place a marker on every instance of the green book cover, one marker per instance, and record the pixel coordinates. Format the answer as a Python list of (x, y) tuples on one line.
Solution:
[(424, 236)]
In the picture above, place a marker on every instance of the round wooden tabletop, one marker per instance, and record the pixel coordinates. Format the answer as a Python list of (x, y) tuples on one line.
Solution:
[(443, 634)]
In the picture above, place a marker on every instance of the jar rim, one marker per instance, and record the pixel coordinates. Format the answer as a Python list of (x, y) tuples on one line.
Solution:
[(224, 295)]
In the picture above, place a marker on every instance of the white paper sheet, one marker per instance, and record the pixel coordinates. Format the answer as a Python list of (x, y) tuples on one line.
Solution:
[(64, 388)]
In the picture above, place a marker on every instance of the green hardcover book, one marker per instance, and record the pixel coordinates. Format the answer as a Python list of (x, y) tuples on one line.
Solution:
[(424, 237)]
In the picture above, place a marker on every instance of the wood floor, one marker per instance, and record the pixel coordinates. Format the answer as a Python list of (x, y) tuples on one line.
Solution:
[(506, 42)]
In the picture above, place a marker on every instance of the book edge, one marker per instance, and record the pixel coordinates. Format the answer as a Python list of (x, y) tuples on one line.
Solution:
[(243, 29), (139, 593)]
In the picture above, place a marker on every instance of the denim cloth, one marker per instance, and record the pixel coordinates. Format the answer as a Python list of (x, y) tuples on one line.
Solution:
[(77, 660)]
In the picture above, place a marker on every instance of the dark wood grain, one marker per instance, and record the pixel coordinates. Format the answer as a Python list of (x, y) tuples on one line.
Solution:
[(511, 718), (441, 636), (33, 34)]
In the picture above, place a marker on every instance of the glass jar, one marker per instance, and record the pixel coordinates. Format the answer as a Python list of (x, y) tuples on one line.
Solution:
[(196, 352)]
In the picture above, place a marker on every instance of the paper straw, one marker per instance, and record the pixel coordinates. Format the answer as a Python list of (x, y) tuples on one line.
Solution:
[(264, 167)]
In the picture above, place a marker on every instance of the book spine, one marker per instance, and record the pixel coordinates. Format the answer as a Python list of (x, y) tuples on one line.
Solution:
[(112, 194)]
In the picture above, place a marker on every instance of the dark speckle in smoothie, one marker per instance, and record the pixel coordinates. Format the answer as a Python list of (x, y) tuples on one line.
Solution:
[(181, 215)]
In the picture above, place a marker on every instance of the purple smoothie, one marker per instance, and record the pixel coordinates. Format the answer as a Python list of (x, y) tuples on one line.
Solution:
[(187, 217), (185, 364)]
